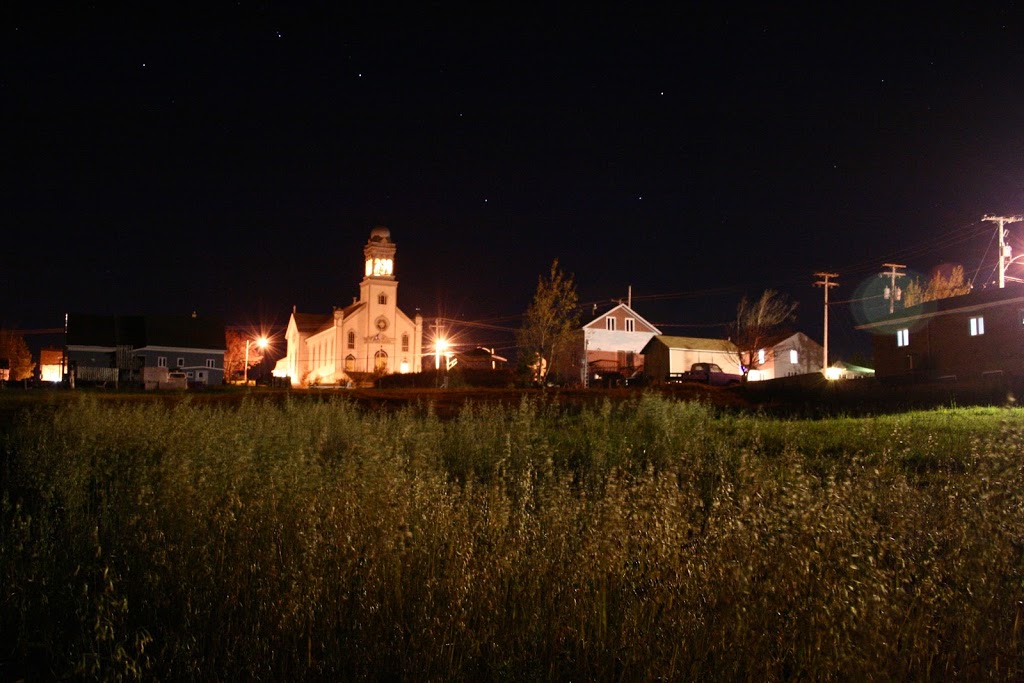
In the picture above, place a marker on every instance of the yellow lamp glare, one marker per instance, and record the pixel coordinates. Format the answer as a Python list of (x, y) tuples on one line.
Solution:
[(262, 343), (440, 346), (833, 373)]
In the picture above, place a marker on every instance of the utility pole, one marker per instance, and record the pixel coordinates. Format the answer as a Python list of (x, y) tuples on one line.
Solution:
[(824, 282), (892, 292), (1004, 248)]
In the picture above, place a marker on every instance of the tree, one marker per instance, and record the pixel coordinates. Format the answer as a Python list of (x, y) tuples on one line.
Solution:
[(234, 356), (550, 323), (938, 287), (756, 322), (15, 351)]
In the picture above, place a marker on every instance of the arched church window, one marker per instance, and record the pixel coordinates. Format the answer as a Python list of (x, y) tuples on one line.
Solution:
[(382, 299), (405, 342), (350, 363), (380, 361), (351, 339)]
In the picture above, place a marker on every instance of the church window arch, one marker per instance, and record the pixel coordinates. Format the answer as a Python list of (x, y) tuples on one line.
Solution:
[(380, 360), (382, 299), (351, 339), (350, 363), (405, 343)]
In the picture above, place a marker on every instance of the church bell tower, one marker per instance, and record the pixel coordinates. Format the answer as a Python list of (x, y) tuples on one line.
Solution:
[(379, 254), (379, 288)]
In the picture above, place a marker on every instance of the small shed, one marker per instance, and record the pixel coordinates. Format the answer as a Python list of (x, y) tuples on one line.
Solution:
[(666, 355)]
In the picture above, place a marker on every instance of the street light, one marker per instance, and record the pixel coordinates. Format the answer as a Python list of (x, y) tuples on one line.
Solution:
[(440, 345), (262, 343)]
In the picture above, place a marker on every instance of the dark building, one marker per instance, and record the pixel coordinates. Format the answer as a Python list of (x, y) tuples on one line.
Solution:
[(967, 337), (117, 349)]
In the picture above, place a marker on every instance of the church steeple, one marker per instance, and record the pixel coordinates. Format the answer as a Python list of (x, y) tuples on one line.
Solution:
[(379, 254)]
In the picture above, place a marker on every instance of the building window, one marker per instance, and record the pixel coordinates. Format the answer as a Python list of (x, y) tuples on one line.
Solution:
[(351, 340), (793, 358), (404, 366), (405, 343), (161, 361), (630, 325), (380, 361), (903, 337), (350, 363), (760, 356), (977, 326), (609, 323), (189, 375), (382, 299), (211, 363), (181, 362)]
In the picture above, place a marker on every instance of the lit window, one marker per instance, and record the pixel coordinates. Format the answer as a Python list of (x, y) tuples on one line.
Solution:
[(760, 356), (161, 361), (350, 363), (902, 337), (351, 340), (404, 366), (793, 356), (380, 361), (630, 325), (977, 326), (382, 299), (405, 342), (609, 323), (211, 363), (181, 362)]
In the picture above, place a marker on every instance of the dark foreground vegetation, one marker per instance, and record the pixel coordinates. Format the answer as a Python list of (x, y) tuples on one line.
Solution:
[(643, 539)]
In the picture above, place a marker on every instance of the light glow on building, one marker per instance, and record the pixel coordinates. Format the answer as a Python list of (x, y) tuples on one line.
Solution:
[(379, 266)]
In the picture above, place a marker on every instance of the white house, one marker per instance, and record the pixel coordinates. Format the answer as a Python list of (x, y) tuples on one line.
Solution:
[(370, 336), (787, 355), (613, 342)]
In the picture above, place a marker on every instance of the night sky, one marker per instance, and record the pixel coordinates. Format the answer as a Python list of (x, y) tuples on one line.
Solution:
[(234, 162)]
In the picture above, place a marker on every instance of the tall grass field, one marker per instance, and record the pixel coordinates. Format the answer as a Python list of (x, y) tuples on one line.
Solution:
[(647, 539)]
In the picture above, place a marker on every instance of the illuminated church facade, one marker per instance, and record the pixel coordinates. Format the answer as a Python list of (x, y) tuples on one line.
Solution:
[(370, 337)]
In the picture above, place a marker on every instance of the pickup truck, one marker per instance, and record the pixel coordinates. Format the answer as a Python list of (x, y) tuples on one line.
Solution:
[(708, 373)]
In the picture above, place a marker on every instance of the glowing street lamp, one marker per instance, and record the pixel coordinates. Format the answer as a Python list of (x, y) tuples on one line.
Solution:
[(440, 346), (262, 344)]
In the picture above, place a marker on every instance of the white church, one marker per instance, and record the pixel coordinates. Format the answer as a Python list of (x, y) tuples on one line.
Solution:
[(370, 337)]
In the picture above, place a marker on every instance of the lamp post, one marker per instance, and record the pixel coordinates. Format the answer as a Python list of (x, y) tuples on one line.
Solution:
[(440, 346), (262, 343)]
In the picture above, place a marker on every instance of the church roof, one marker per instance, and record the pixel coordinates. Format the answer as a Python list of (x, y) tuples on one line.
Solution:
[(309, 323), (349, 310)]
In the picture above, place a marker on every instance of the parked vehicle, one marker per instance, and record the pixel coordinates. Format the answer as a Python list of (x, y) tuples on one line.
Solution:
[(708, 373)]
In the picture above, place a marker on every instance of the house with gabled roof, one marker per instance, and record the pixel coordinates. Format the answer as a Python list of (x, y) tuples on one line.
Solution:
[(785, 355), (117, 348), (372, 336), (613, 343), (666, 356)]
